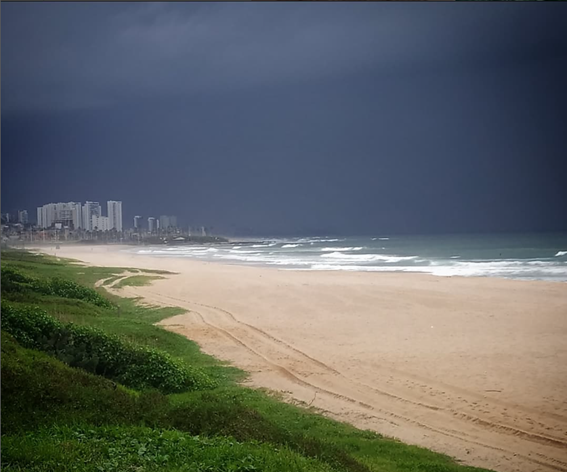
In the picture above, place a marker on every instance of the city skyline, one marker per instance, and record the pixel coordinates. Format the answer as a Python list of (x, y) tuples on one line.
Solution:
[(88, 216)]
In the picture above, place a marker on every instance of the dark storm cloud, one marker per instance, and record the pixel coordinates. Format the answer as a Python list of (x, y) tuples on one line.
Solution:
[(95, 55), (289, 118)]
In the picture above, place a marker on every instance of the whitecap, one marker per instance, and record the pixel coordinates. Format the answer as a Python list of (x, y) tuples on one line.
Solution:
[(367, 257), (561, 253), (290, 245), (329, 249)]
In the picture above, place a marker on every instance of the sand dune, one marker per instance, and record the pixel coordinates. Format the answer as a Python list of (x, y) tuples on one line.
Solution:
[(472, 367)]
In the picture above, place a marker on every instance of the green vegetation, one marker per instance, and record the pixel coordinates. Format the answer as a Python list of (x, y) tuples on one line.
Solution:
[(95, 351), (14, 281), (78, 393), (137, 280)]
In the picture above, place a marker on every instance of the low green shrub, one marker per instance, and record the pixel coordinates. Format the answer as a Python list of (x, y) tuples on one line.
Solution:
[(39, 390), (13, 281), (95, 351)]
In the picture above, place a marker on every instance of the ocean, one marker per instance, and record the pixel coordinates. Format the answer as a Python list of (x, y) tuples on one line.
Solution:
[(519, 256)]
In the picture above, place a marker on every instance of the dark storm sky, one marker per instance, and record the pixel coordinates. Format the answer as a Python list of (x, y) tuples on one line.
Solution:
[(289, 118)]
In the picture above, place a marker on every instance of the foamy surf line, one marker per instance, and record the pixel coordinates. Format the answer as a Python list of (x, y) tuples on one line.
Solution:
[(296, 256)]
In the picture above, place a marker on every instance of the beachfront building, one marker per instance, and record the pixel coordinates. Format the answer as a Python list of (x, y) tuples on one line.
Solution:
[(166, 222), (100, 223), (90, 209), (151, 224), (138, 222), (65, 214), (115, 214), (23, 217)]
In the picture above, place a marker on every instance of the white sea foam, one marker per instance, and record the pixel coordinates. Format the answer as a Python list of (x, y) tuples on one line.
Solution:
[(367, 257), (349, 258), (288, 262), (464, 269), (334, 249), (384, 239)]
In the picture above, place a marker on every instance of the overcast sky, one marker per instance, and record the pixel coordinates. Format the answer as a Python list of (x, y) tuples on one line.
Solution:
[(290, 118)]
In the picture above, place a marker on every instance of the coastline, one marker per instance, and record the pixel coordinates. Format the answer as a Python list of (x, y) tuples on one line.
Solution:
[(472, 367)]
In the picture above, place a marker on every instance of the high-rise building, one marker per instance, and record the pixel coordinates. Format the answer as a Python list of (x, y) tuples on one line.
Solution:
[(151, 224), (100, 223), (23, 216), (90, 209), (65, 214), (166, 222), (115, 214), (137, 222), (77, 215), (46, 215)]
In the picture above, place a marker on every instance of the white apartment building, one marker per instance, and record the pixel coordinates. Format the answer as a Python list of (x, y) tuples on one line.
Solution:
[(46, 215), (115, 214), (68, 214), (23, 216), (151, 224), (100, 223), (90, 209), (81, 216), (166, 221)]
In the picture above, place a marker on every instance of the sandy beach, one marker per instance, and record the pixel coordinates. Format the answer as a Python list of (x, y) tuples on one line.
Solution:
[(472, 367)]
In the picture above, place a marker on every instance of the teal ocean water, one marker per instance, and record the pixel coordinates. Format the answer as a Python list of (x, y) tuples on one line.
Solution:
[(520, 256)]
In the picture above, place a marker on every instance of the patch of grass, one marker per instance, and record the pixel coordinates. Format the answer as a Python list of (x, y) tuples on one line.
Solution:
[(144, 449), (110, 281), (57, 393), (137, 281), (101, 353), (17, 282), (161, 272)]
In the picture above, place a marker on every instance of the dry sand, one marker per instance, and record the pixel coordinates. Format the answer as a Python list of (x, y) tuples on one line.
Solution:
[(472, 367)]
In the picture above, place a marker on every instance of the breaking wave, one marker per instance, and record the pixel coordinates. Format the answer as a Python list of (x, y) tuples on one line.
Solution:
[(367, 254), (368, 257), (328, 249)]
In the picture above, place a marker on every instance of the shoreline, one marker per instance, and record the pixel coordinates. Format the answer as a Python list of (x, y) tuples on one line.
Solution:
[(474, 367), (227, 262)]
